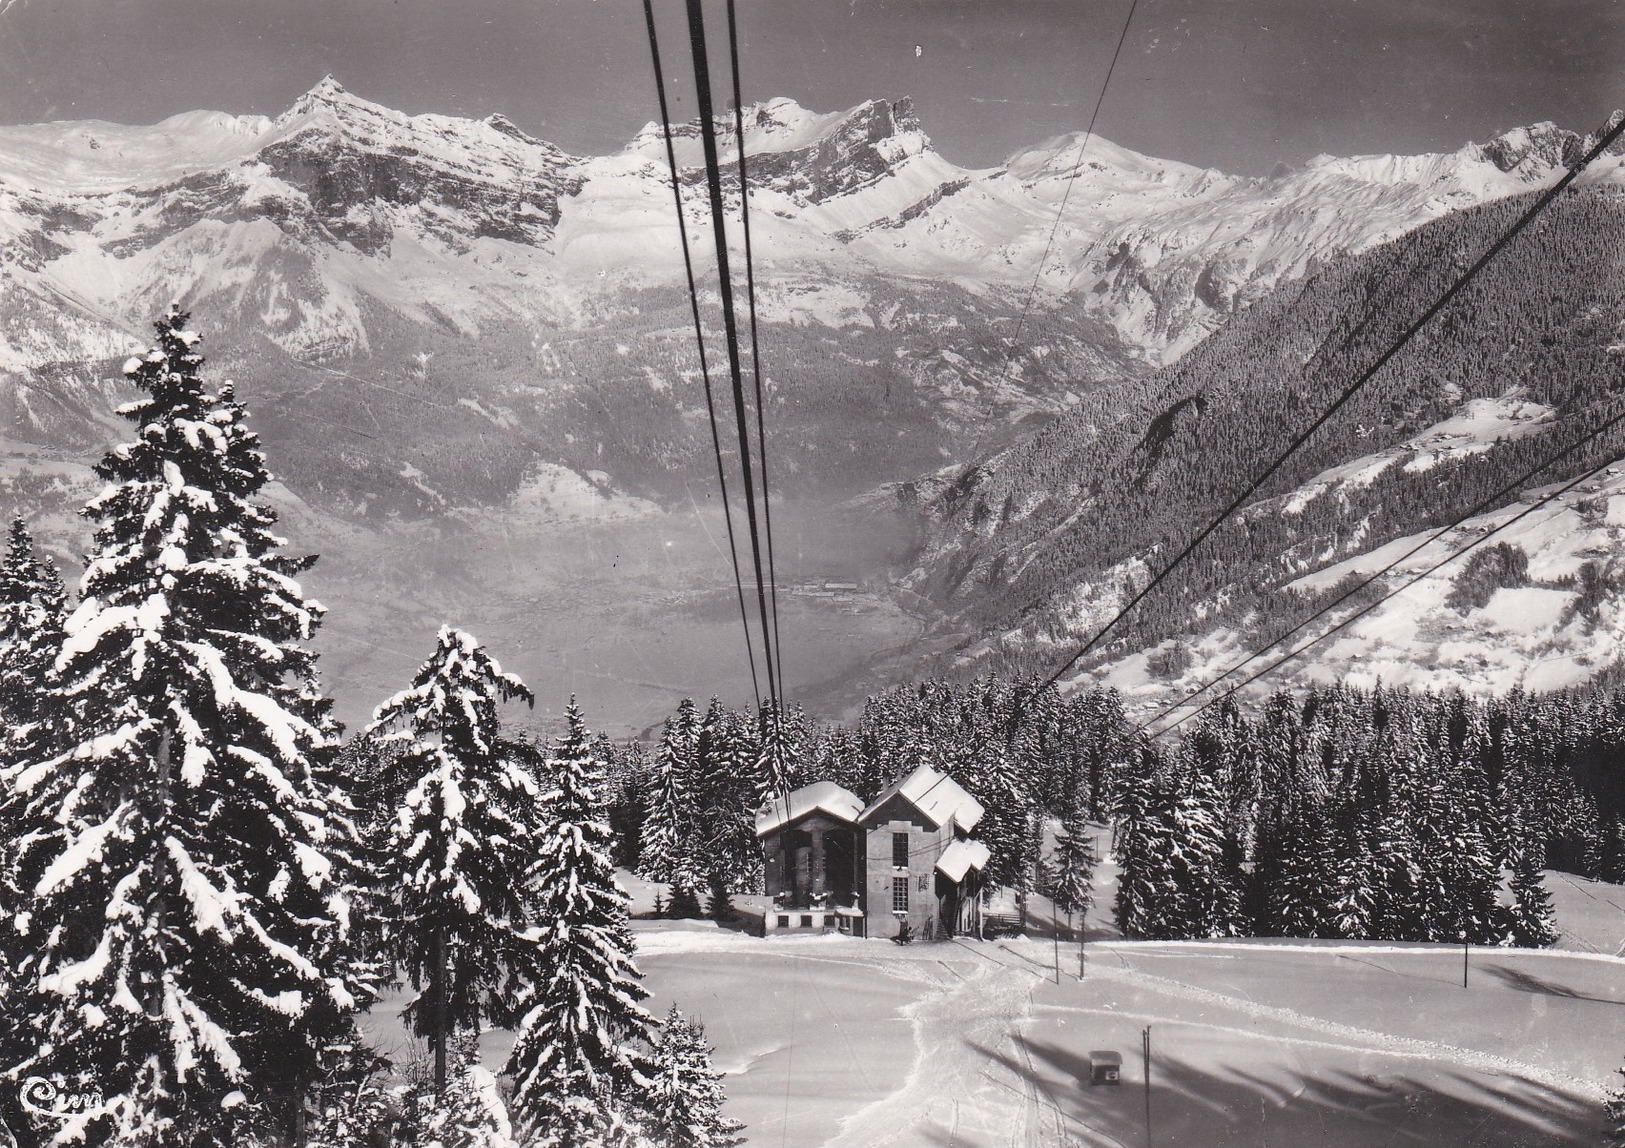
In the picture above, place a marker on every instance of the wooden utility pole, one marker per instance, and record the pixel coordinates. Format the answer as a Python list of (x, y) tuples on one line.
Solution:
[(1145, 1038), (1083, 936), (1465, 943)]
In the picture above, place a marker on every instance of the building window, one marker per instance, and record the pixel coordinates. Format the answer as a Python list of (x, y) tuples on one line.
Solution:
[(784, 920), (899, 894), (899, 850)]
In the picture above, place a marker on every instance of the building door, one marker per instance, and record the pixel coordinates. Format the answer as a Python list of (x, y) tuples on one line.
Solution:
[(798, 865), (838, 865)]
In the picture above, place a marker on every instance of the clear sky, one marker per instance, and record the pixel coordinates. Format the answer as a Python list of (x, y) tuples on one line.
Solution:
[(1238, 84)]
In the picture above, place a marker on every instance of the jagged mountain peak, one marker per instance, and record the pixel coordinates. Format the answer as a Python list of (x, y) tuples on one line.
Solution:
[(1541, 147), (333, 111), (328, 89), (781, 124)]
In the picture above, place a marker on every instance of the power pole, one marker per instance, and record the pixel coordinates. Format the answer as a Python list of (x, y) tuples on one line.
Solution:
[(1145, 1038), (1465, 943), (1083, 936)]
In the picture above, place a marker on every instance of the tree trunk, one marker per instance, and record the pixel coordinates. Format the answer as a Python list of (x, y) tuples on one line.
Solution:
[(440, 1012), (160, 874), (299, 1133)]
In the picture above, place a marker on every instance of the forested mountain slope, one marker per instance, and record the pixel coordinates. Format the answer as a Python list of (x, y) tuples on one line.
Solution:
[(1036, 546)]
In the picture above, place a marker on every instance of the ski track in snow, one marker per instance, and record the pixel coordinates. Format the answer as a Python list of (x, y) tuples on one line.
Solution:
[(973, 1081), (1370, 1040), (951, 1095)]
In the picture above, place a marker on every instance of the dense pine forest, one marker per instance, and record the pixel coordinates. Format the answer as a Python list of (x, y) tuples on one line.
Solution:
[(1344, 813)]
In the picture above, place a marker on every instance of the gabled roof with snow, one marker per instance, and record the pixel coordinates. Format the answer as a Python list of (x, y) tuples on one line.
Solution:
[(939, 797), (960, 857), (820, 797)]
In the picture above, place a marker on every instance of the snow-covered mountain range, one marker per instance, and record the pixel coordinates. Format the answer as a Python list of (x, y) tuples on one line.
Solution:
[(304, 223), (432, 315)]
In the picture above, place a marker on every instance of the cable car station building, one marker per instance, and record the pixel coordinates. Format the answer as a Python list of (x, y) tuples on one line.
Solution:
[(832, 863)]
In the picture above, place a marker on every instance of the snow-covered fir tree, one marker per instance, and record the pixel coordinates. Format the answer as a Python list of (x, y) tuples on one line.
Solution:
[(469, 1112), (1614, 1113), (1179, 880), (725, 795), (1357, 884), (1529, 917), (666, 852), (1141, 843), (1069, 878), (454, 857), (780, 732), (627, 779), (31, 617), (683, 1106), (185, 903), (1202, 866), (404, 1109), (32, 613), (579, 1072)]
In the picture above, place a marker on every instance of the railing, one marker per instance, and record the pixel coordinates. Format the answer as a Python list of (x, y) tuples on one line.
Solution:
[(826, 918)]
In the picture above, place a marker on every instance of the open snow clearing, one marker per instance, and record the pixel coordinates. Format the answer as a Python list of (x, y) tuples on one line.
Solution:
[(861, 1043)]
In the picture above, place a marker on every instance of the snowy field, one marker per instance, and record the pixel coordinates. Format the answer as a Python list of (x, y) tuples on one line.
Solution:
[(865, 1044), (859, 1043)]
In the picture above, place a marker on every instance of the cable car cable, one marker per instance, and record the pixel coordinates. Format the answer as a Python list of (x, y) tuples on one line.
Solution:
[(1544, 501), (1483, 506), (1460, 284), (699, 339), (755, 346), (713, 180)]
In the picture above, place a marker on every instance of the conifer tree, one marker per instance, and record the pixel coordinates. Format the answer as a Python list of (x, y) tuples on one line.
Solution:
[(683, 1108), (719, 906), (31, 710), (1614, 1114), (469, 1112), (1357, 881), (779, 735), (455, 852), (627, 799), (32, 612), (668, 827), (182, 851), (1529, 918), (578, 1072), (685, 902), (1070, 877), (1142, 844), (725, 791), (1202, 871)]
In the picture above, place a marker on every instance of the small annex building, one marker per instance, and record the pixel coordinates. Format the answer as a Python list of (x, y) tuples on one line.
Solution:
[(832, 863)]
